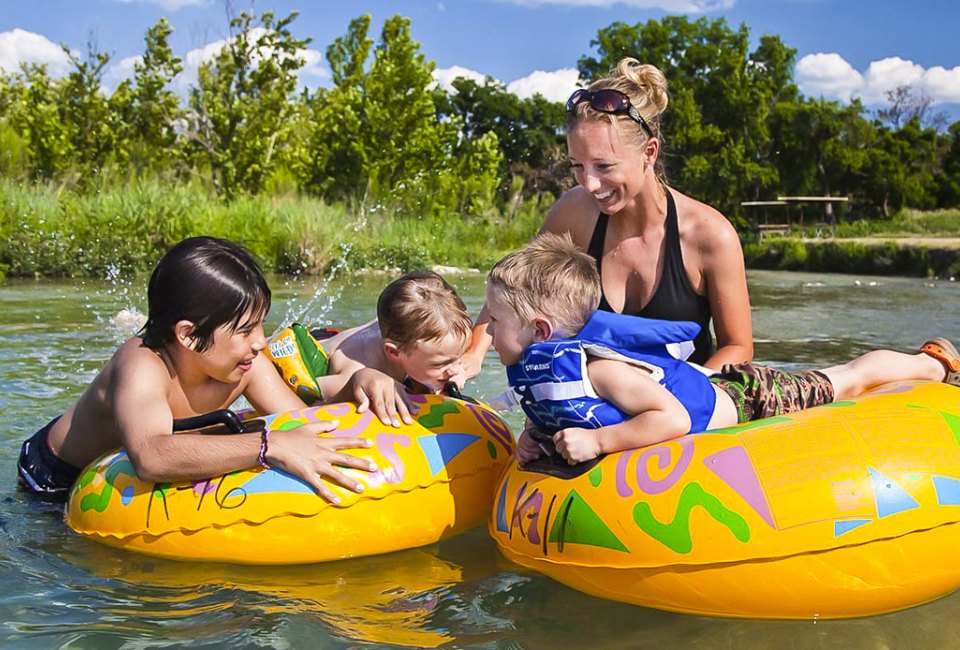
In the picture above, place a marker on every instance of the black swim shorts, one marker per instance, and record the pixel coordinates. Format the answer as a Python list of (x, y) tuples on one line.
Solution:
[(763, 392), (41, 471)]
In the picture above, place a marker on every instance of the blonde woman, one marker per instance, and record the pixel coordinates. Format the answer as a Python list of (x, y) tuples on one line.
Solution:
[(660, 253)]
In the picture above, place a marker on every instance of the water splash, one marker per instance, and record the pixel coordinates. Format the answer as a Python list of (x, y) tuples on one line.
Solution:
[(313, 310), (124, 291), (128, 321)]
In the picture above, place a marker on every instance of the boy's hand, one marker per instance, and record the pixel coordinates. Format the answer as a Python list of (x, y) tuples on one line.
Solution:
[(382, 394), (577, 445), (460, 377), (301, 452), (528, 449)]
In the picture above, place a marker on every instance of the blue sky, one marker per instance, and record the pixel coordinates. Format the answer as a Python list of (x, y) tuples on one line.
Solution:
[(845, 48)]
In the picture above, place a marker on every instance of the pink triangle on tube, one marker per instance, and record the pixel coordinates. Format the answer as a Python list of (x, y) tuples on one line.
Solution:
[(734, 468)]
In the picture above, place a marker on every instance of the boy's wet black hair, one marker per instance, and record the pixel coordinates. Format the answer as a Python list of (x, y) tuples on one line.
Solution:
[(208, 281)]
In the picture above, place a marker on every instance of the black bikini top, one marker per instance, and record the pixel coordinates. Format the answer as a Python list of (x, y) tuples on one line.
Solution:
[(674, 298)]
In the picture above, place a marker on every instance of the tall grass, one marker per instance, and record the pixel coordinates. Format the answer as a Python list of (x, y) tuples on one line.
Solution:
[(50, 231)]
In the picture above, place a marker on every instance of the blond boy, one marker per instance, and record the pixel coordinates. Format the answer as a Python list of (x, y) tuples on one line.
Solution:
[(598, 382)]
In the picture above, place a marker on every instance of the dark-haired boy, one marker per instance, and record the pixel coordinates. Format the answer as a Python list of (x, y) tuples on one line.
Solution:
[(198, 352)]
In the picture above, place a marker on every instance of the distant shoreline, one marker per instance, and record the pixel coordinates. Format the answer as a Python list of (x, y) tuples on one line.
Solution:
[(931, 243), (926, 257)]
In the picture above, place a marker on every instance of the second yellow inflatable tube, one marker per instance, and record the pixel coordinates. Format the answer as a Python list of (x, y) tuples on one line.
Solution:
[(849, 509)]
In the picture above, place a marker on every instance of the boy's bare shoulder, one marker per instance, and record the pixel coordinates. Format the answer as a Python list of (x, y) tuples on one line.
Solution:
[(134, 359), (132, 374), (361, 344)]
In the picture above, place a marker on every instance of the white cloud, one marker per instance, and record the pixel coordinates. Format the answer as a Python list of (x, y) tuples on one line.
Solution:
[(308, 75), (169, 5), (195, 57), (831, 76), (555, 86), (943, 84), (19, 46), (313, 66), (676, 6), (828, 75), (123, 69), (445, 76), (888, 74), (192, 61)]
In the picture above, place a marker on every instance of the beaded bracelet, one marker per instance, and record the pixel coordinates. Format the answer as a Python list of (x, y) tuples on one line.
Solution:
[(264, 438)]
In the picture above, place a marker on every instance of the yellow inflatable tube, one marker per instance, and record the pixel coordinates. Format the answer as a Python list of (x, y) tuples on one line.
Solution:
[(436, 478), (850, 509)]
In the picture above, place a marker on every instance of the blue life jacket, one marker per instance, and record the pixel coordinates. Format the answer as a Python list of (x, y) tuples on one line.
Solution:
[(552, 386)]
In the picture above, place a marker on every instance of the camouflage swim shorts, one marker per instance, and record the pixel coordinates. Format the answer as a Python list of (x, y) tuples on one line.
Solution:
[(762, 392)]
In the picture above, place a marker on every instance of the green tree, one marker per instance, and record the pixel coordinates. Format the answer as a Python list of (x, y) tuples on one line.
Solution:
[(241, 109), (770, 68), (716, 132), (66, 125), (883, 191), (376, 137), (85, 109), (147, 109), (823, 148), (334, 161), (34, 114), (919, 147), (13, 150), (948, 177), (529, 131)]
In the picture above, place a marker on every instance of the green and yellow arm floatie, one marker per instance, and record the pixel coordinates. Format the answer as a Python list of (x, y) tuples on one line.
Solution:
[(300, 360)]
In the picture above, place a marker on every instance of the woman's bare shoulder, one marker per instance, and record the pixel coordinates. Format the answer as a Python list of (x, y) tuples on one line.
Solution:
[(574, 212), (702, 225)]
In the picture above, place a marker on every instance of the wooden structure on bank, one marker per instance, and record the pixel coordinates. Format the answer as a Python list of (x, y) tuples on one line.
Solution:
[(783, 225)]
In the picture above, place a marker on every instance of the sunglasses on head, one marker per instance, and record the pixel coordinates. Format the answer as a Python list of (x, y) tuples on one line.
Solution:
[(610, 101)]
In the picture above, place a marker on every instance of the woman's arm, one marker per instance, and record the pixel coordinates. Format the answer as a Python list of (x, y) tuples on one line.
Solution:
[(726, 282), (480, 342), (713, 259)]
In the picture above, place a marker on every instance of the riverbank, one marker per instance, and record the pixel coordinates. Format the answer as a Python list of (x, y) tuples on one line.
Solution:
[(47, 231), (934, 257)]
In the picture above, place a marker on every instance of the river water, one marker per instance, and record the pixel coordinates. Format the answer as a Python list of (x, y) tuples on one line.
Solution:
[(60, 590)]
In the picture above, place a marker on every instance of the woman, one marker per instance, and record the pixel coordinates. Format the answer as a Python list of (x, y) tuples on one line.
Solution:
[(660, 254)]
